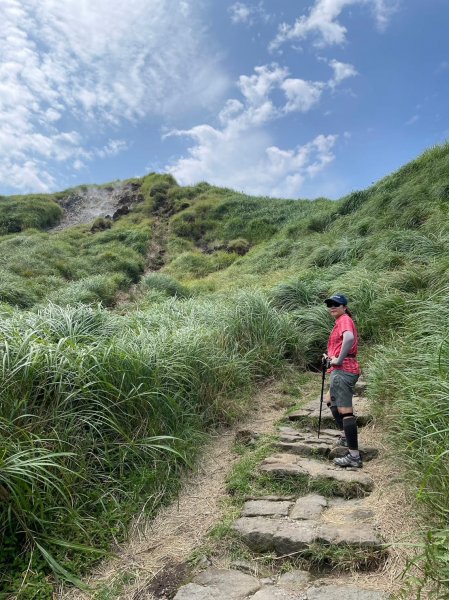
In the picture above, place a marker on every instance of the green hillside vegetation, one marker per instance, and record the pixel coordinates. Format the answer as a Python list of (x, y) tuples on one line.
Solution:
[(97, 405), (34, 211)]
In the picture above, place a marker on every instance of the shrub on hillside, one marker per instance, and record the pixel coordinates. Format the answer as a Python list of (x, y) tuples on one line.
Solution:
[(345, 251), (196, 264), (16, 291), (93, 290), (312, 327), (100, 224), (24, 212), (354, 201), (294, 294), (166, 284), (319, 223), (239, 246)]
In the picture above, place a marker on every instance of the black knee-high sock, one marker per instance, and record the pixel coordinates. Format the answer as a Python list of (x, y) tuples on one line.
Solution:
[(337, 417), (350, 429)]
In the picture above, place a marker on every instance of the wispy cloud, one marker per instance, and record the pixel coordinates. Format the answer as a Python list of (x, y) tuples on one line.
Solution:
[(248, 14), (70, 70), (342, 71), (322, 22), (240, 153)]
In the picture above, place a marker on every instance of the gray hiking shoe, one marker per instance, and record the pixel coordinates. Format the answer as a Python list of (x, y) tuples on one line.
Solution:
[(349, 461), (341, 442)]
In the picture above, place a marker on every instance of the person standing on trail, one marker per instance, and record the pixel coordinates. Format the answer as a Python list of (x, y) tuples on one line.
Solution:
[(344, 372)]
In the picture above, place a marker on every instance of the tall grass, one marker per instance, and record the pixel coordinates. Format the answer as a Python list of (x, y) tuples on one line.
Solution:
[(25, 212), (409, 380), (96, 407)]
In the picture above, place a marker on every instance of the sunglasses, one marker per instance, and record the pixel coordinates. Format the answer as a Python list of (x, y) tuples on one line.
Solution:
[(332, 304)]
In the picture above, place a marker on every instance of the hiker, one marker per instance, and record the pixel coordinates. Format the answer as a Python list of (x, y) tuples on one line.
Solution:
[(344, 369)]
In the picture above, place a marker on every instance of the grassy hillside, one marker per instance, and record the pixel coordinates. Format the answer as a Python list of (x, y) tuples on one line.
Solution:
[(97, 403)]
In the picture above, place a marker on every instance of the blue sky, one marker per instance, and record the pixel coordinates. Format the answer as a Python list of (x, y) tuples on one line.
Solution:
[(287, 98)]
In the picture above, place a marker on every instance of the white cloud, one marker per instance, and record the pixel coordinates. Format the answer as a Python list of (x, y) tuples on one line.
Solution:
[(94, 65), (112, 148), (248, 14), (322, 22), (28, 175), (239, 12), (241, 153), (247, 162), (301, 95), (341, 72), (78, 165)]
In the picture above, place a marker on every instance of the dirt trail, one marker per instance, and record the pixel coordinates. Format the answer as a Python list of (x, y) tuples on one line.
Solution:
[(162, 546)]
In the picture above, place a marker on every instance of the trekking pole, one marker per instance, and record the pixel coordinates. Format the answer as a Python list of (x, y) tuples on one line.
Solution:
[(324, 367)]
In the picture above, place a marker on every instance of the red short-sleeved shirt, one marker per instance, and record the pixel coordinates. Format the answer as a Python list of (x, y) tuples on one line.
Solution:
[(342, 324)]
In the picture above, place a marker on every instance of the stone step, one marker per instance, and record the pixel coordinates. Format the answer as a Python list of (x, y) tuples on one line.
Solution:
[(311, 506), (223, 584), (295, 527), (306, 443), (309, 414), (351, 483), (343, 592), (219, 584), (285, 537)]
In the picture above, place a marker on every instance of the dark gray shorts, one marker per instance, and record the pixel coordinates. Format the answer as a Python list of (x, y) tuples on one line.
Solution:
[(342, 388)]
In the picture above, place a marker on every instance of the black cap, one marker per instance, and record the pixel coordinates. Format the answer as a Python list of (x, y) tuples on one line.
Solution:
[(338, 298)]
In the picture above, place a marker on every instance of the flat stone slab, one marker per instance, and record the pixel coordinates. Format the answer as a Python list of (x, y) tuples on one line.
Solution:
[(307, 443), (348, 482), (310, 413), (219, 584), (340, 592), (223, 584), (257, 532), (309, 507), (349, 511), (266, 508), (262, 534), (275, 593), (294, 581)]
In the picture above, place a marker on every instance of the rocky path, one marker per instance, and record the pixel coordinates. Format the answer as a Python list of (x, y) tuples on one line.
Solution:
[(320, 538), (338, 521)]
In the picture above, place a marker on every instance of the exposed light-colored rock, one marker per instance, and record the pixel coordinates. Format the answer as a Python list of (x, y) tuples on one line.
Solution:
[(219, 584), (275, 593), (309, 507), (265, 508), (286, 537), (191, 591), (338, 592), (257, 532), (294, 581)]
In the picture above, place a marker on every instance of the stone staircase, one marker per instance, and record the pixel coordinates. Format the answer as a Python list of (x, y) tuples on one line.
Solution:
[(289, 526)]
